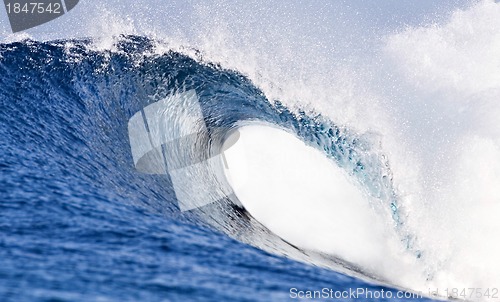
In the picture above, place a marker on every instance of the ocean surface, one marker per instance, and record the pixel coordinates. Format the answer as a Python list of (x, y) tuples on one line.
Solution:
[(80, 223)]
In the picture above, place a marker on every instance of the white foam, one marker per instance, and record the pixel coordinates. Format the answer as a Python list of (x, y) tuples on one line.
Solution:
[(447, 113), (305, 198)]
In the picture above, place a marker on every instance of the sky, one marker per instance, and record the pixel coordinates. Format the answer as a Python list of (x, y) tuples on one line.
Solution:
[(91, 18)]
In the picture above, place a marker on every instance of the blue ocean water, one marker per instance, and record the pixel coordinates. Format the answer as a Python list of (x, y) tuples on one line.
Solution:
[(79, 223)]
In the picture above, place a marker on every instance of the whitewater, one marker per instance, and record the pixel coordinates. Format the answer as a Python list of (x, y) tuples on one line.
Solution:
[(368, 136)]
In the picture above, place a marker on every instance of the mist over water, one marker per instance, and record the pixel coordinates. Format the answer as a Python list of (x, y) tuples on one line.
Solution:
[(421, 81), (446, 110)]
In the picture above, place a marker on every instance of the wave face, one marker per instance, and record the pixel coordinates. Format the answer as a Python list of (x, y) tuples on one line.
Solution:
[(66, 153)]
